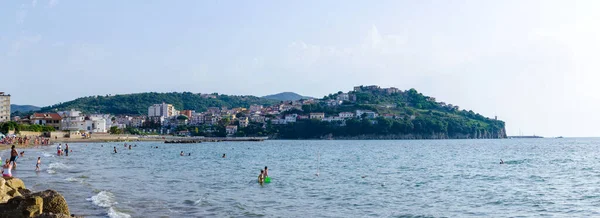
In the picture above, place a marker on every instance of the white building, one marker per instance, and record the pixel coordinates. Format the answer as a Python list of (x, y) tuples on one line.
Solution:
[(346, 115), (4, 107), (231, 130), (72, 120), (96, 124), (291, 118), (369, 114), (162, 110), (343, 97)]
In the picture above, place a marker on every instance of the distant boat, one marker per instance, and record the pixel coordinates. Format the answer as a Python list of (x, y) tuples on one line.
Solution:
[(560, 137)]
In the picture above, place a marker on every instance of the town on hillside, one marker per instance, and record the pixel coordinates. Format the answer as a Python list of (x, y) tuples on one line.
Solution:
[(332, 113)]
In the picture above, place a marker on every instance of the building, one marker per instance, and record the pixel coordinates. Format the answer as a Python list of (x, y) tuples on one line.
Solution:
[(137, 121), (243, 122), (346, 115), (343, 97), (4, 107), (187, 113), (46, 119), (72, 120), (368, 114), (291, 118), (317, 116), (96, 124), (162, 110), (230, 130), (391, 90)]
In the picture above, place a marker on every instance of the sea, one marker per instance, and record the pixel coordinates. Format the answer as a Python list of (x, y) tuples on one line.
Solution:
[(324, 178)]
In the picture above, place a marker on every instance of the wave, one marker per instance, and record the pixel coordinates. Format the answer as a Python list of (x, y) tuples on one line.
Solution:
[(103, 199), (58, 166), (112, 213), (75, 179), (46, 154), (107, 200)]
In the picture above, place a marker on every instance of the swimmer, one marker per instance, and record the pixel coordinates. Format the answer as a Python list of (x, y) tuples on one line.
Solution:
[(181, 154), (67, 149), (501, 161), (261, 177), (223, 155), (129, 147), (22, 153), (115, 149), (189, 154), (37, 165), (266, 172)]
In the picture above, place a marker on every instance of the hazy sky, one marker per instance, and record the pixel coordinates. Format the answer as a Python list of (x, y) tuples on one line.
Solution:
[(534, 64)]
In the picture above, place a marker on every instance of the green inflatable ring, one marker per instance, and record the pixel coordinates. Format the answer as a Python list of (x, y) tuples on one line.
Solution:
[(267, 179)]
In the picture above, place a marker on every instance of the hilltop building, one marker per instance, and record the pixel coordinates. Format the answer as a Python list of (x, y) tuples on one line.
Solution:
[(4, 107)]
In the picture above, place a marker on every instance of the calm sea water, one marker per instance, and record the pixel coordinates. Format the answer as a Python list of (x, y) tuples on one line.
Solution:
[(444, 178)]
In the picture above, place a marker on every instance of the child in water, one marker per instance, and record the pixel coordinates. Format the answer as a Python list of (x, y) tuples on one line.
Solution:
[(37, 165), (261, 177), (115, 149), (266, 172)]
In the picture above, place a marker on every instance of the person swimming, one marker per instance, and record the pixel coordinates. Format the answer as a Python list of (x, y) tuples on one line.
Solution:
[(67, 149), (181, 154), (129, 147), (266, 172), (115, 149), (189, 154), (223, 155), (501, 161)]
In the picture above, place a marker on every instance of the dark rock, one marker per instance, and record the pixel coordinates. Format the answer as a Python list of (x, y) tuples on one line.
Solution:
[(54, 202)]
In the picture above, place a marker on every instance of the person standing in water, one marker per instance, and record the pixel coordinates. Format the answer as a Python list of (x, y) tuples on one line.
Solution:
[(181, 154), (261, 177), (129, 147), (37, 165), (67, 149), (223, 155), (58, 149), (115, 149), (266, 172), (13, 157)]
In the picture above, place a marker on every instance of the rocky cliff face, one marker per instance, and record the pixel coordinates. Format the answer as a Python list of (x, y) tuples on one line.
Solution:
[(17, 201)]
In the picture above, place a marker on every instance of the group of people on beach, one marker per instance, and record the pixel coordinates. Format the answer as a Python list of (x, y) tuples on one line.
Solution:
[(24, 140), (11, 163)]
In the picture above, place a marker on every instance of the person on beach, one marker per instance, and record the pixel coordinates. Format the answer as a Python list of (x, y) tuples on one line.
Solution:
[(261, 177), (67, 149), (266, 172), (115, 149), (13, 156), (37, 165)]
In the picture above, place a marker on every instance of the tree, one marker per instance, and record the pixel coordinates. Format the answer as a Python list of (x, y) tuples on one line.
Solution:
[(115, 130)]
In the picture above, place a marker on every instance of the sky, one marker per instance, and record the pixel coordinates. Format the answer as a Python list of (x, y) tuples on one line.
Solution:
[(534, 64)]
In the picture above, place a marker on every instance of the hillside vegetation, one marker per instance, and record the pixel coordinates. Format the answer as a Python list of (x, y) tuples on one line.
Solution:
[(137, 104)]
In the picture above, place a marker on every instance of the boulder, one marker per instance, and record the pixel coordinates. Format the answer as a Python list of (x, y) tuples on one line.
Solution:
[(54, 202), (53, 215), (14, 183), (22, 207)]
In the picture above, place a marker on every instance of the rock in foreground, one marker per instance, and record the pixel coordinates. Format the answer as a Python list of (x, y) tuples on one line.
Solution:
[(16, 201)]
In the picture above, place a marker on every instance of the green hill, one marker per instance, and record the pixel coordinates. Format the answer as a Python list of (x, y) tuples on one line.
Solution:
[(137, 104), (286, 96), (403, 115), (23, 108)]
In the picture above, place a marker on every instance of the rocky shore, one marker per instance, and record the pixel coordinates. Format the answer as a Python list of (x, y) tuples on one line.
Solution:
[(16, 201)]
